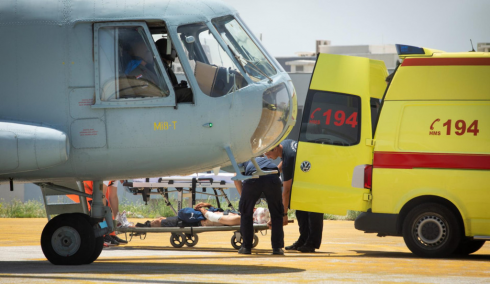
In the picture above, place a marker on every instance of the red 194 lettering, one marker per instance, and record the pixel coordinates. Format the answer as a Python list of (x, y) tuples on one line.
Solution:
[(460, 126), (339, 117)]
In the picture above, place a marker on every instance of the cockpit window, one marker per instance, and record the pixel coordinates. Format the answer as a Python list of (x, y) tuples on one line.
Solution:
[(244, 48), (215, 72), (127, 69)]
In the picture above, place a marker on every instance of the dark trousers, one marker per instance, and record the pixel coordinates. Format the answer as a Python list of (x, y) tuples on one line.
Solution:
[(310, 228), (251, 191)]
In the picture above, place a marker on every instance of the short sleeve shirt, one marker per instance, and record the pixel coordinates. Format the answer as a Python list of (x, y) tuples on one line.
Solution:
[(289, 148), (263, 163)]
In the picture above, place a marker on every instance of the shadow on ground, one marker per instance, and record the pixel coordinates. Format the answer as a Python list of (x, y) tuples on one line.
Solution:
[(195, 266), (408, 255)]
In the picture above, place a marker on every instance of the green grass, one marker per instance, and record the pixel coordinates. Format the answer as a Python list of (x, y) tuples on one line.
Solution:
[(18, 209), (155, 208)]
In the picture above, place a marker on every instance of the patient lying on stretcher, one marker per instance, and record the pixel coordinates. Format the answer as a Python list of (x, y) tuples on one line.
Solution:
[(203, 214)]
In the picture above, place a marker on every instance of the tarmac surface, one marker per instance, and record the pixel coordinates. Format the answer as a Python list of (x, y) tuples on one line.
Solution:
[(346, 255)]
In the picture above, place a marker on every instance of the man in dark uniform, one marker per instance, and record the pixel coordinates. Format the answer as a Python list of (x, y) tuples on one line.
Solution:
[(250, 191), (168, 55), (310, 223)]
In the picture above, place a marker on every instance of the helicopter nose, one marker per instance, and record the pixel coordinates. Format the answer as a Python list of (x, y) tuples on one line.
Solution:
[(279, 109)]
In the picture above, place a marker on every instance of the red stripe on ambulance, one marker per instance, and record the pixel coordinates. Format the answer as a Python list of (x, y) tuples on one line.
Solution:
[(410, 160), (445, 61)]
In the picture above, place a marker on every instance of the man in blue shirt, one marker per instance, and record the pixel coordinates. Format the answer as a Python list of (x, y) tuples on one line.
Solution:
[(250, 191), (310, 223)]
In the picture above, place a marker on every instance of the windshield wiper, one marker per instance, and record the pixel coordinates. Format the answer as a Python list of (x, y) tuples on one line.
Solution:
[(240, 58)]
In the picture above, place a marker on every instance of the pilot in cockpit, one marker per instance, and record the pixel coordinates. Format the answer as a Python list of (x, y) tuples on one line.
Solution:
[(168, 54), (140, 78), (142, 64)]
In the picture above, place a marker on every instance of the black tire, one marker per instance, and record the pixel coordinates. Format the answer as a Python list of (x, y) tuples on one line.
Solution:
[(256, 241), (191, 240), (177, 240), (237, 244), (68, 239), (431, 230), (99, 242), (467, 246)]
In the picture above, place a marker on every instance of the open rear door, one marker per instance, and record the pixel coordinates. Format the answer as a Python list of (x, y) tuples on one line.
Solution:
[(336, 135)]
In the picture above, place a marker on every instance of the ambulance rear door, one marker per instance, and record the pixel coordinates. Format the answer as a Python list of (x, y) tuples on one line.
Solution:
[(335, 142)]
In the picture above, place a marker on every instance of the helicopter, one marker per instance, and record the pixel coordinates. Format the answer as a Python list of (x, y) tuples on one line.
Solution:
[(89, 94)]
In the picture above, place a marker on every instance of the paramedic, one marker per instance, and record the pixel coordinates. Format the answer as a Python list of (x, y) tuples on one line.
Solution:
[(250, 191), (310, 223)]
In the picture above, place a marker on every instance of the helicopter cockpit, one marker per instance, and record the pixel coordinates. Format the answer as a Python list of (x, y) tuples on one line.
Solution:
[(138, 63)]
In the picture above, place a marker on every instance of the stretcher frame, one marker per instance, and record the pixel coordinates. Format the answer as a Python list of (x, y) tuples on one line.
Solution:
[(186, 187)]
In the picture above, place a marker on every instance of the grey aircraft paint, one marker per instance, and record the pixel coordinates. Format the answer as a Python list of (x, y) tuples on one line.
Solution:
[(54, 126)]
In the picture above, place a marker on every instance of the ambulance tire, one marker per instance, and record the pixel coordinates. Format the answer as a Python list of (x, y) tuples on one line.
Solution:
[(68, 239), (467, 247), (431, 230)]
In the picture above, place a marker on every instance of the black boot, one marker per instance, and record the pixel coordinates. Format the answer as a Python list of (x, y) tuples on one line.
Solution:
[(294, 246)]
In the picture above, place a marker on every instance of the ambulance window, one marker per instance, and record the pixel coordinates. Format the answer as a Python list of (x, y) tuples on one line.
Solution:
[(215, 72), (331, 118), (127, 70)]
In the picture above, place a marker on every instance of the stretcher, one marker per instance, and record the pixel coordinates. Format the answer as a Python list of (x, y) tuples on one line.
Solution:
[(187, 187)]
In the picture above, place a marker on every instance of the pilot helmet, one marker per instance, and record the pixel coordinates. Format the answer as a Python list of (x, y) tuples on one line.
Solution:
[(166, 49)]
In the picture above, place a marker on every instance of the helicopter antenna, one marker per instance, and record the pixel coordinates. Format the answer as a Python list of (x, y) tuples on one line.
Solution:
[(472, 48)]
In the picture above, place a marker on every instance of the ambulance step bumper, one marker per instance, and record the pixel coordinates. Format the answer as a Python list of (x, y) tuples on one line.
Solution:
[(383, 224), (482, 238)]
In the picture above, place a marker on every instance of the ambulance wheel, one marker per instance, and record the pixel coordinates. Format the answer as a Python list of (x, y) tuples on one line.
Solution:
[(431, 230), (191, 240), (467, 246), (237, 244), (177, 240), (68, 239)]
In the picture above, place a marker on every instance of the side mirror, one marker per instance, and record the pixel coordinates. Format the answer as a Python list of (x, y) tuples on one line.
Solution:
[(190, 39)]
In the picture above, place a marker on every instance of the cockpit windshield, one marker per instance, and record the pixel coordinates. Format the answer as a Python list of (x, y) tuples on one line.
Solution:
[(216, 73), (244, 48)]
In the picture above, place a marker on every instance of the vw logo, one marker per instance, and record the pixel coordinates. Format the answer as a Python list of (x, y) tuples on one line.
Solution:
[(305, 166)]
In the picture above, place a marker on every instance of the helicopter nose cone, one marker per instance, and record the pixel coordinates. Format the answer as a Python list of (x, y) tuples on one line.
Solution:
[(279, 110)]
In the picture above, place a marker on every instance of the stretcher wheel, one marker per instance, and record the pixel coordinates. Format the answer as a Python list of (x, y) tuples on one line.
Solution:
[(256, 241), (177, 240), (237, 244), (191, 240)]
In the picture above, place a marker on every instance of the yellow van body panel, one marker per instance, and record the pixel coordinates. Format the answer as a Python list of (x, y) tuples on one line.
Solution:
[(419, 127), (377, 77), (434, 120), (327, 186), (468, 190)]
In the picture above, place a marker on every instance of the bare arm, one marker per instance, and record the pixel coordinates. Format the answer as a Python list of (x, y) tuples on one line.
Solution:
[(285, 198), (201, 205), (238, 185), (280, 167)]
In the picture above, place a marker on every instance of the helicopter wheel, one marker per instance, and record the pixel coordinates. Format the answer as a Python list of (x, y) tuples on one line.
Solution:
[(68, 239)]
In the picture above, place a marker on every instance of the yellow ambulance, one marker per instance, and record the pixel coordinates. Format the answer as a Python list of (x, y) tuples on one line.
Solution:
[(413, 154)]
